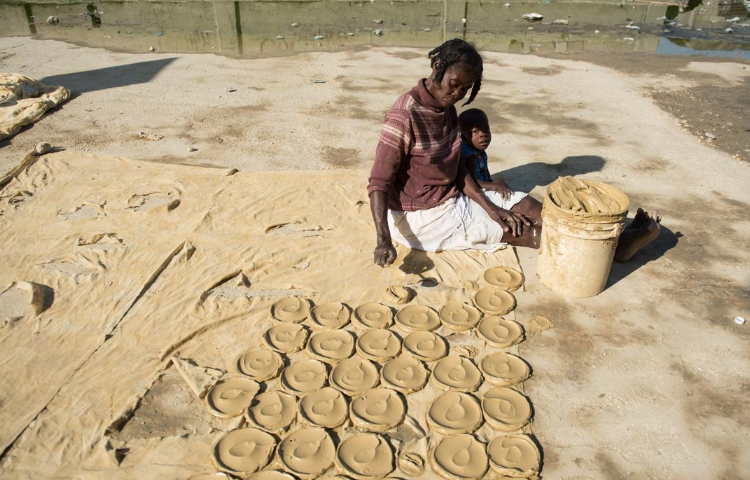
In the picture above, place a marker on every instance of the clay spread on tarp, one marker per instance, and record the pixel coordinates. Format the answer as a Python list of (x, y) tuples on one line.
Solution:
[(136, 287), (23, 101)]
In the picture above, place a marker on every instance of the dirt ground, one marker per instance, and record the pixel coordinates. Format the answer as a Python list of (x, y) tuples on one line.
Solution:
[(649, 379)]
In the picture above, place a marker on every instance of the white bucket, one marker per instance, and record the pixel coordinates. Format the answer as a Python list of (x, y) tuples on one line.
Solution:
[(578, 246)]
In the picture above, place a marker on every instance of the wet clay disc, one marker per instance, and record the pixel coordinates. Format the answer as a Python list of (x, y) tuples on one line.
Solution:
[(456, 373), (378, 345), (411, 464), (506, 409), (290, 310), (373, 315), (304, 377), (326, 408), (459, 457), (272, 411), (494, 301), (210, 476), (459, 316), (405, 374), (307, 452), (365, 456), (378, 410), (417, 318), (244, 451), (260, 364), (455, 412), (505, 278), (503, 369), (286, 337), (514, 456), (331, 346), (331, 315), (500, 332), (426, 346), (230, 396), (354, 376), (398, 294), (271, 475)]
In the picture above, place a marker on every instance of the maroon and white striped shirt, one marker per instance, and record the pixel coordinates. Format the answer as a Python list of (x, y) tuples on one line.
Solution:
[(419, 152)]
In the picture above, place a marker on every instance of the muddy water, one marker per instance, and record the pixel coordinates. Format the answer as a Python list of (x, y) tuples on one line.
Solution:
[(252, 29)]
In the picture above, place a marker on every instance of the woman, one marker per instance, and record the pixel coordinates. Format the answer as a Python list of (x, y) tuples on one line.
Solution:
[(421, 195)]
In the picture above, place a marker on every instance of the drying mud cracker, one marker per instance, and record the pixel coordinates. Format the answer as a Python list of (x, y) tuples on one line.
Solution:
[(307, 452), (271, 475), (286, 337), (503, 369), (304, 377), (459, 457), (291, 310), (331, 315), (244, 451), (325, 408), (506, 409), (373, 315), (378, 345), (417, 318), (538, 324), (514, 456), (354, 376), (411, 464), (260, 364), (458, 316), (455, 412), (378, 410), (494, 301), (398, 295), (331, 346), (456, 373), (505, 278), (405, 374), (365, 456), (272, 411), (426, 346), (500, 332), (230, 396)]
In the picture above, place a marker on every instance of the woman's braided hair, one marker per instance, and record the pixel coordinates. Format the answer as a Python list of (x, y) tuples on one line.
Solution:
[(458, 52)]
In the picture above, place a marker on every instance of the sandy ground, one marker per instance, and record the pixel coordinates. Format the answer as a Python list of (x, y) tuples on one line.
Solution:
[(648, 379)]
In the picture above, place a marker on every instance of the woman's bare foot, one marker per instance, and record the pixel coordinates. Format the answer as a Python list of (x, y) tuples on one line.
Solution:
[(642, 230)]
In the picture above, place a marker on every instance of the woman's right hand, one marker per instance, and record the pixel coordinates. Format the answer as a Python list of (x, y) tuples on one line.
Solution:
[(385, 253), (511, 222)]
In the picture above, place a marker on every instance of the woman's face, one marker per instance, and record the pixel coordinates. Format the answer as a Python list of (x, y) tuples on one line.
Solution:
[(457, 82)]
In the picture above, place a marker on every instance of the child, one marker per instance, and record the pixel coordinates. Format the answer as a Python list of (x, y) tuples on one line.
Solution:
[(475, 138)]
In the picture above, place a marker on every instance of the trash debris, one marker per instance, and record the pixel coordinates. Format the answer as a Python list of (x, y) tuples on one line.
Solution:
[(561, 21), (319, 37), (160, 34), (532, 17), (729, 30), (739, 320), (709, 135), (349, 34), (279, 37), (318, 81), (530, 28), (507, 5), (729, 20), (151, 49), (377, 32), (633, 27), (661, 19), (629, 39), (231, 89), (295, 24), (42, 148), (54, 20), (597, 32), (427, 29), (192, 149), (378, 21), (150, 136), (463, 20)]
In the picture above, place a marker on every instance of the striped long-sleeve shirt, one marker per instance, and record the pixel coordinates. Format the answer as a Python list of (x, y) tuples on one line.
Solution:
[(417, 158)]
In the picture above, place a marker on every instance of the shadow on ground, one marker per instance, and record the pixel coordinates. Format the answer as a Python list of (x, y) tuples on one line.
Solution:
[(110, 77), (525, 177), (666, 241)]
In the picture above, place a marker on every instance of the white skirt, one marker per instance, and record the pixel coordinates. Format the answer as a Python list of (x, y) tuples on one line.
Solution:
[(457, 224)]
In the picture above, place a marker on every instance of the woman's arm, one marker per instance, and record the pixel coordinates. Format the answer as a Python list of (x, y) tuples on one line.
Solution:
[(385, 253), (508, 220)]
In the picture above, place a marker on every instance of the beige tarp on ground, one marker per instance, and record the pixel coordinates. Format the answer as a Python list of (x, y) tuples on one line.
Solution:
[(23, 101), (142, 262)]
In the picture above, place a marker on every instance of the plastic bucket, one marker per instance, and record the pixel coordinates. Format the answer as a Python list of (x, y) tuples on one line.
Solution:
[(577, 247)]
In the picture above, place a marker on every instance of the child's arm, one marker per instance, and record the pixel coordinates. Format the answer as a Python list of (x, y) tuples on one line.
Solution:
[(497, 185)]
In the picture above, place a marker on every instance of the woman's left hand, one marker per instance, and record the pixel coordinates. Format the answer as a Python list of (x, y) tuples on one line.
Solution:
[(511, 222)]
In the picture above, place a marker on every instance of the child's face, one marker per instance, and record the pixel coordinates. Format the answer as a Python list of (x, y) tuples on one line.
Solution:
[(480, 135)]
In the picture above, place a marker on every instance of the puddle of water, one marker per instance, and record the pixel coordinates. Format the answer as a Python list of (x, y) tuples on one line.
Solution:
[(251, 29), (712, 48)]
